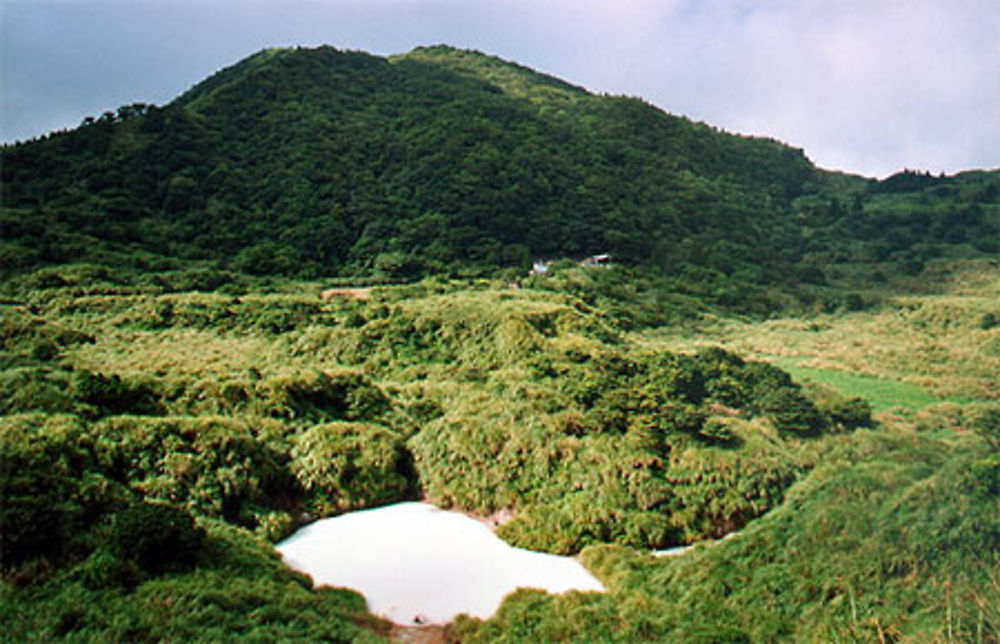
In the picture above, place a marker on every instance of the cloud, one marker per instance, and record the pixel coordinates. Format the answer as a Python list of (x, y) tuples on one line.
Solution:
[(864, 86)]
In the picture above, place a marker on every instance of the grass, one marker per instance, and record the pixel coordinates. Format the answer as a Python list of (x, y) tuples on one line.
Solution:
[(883, 394), (909, 350)]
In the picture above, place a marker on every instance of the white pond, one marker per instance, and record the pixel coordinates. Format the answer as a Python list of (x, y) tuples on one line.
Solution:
[(416, 563)]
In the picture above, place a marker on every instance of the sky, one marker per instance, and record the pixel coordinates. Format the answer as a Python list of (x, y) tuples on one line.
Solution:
[(865, 86)]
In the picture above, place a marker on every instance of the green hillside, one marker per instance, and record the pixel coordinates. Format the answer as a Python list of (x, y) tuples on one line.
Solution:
[(321, 162)]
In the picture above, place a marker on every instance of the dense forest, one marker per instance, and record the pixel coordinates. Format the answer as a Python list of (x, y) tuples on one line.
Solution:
[(304, 288), (320, 162)]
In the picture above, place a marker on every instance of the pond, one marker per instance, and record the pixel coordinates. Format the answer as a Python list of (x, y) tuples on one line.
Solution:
[(418, 564)]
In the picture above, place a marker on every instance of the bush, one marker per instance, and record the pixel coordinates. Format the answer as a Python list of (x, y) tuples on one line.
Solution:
[(50, 493), (323, 396), (791, 411), (103, 395), (848, 414), (215, 465), (158, 538), (346, 466)]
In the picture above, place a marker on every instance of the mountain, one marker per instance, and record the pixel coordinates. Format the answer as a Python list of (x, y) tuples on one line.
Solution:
[(320, 162)]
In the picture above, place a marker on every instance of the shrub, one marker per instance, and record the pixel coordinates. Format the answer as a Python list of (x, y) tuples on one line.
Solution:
[(322, 396), (345, 466), (984, 419), (49, 491), (716, 431), (215, 465), (791, 411), (103, 395), (158, 538), (851, 413)]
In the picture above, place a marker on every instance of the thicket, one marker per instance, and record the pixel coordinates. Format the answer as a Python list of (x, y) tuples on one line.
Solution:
[(134, 421), (894, 537), (480, 396)]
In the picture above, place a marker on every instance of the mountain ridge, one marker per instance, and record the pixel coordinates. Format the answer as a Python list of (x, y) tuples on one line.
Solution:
[(321, 162)]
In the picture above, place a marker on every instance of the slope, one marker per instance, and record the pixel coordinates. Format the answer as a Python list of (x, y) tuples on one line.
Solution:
[(321, 162)]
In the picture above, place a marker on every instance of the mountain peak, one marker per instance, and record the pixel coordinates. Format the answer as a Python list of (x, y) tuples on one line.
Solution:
[(513, 78)]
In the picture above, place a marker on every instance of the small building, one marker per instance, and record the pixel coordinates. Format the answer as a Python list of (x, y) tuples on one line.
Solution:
[(603, 259)]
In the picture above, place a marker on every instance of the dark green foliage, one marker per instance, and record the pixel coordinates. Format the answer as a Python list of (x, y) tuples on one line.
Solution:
[(220, 467), (896, 226), (791, 411), (984, 419), (159, 538), (437, 160), (321, 162), (50, 492), (103, 395), (636, 455), (240, 589), (850, 413)]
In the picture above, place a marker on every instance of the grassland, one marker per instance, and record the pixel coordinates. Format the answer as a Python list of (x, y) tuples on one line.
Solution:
[(902, 351)]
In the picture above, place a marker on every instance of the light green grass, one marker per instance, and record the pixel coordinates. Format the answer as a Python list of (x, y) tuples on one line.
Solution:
[(882, 393)]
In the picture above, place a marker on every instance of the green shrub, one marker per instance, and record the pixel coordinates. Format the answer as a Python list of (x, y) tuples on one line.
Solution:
[(103, 395), (984, 419), (27, 389), (159, 538), (791, 411), (217, 466), (106, 569), (850, 413), (346, 466), (322, 396), (50, 489)]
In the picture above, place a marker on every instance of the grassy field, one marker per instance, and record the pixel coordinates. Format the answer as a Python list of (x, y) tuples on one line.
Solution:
[(903, 351), (883, 394)]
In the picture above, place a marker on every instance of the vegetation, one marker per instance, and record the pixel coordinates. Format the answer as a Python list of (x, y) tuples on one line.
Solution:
[(804, 359), (893, 537), (448, 161)]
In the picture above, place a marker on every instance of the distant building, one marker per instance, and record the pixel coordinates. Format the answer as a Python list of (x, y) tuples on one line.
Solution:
[(597, 260)]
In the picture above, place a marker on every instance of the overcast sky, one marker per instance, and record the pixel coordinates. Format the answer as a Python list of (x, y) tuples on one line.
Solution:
[(866, 86)]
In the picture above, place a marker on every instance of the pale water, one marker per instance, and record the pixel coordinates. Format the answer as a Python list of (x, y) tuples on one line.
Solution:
[(416, 563)]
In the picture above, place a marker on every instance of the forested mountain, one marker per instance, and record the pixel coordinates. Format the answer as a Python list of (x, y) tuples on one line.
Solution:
[(322, 162), (319, 162)]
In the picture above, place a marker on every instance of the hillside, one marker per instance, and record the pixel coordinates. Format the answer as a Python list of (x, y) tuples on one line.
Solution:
[(321, 162), (153, 444)]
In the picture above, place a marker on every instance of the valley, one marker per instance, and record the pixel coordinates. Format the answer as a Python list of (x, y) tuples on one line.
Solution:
[(303, 289)]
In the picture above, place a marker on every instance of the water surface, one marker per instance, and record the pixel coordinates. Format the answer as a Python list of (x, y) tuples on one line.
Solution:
[(416, 563)]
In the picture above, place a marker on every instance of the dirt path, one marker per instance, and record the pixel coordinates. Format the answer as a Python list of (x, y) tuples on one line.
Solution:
[(420, 634), (347, 293)]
